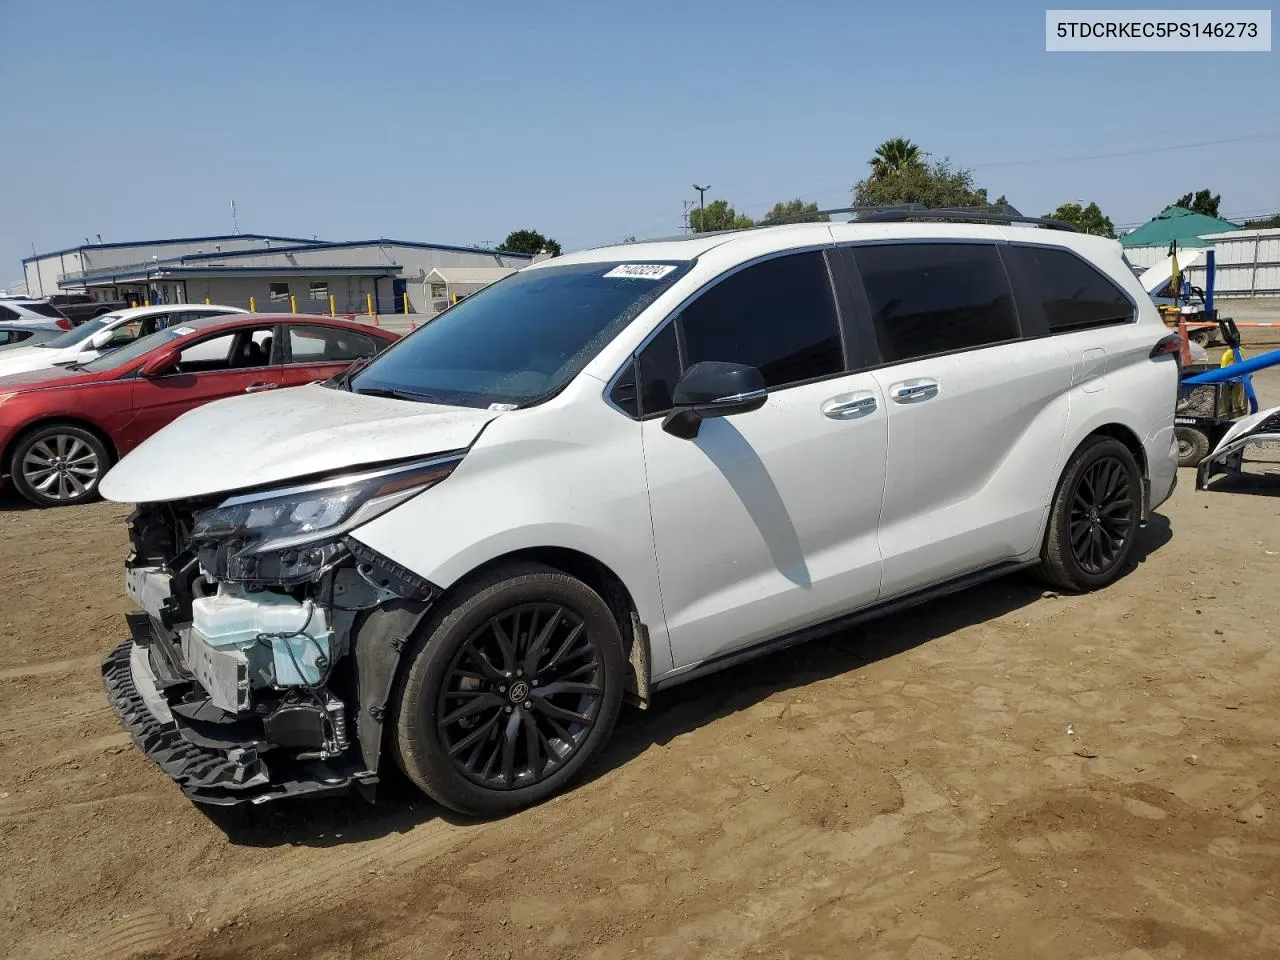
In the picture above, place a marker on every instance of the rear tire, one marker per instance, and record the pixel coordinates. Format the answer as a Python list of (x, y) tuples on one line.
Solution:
[(477, 727), (1094, 517), (1193, 445), (59, 465)]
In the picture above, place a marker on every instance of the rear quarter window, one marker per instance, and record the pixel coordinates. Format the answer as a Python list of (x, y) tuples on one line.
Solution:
[(1073, 294)]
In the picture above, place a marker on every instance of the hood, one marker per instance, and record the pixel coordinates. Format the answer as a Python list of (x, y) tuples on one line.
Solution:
[(272, 437), (36, 378), (1243, 426), (21, 359), (1228, 455)]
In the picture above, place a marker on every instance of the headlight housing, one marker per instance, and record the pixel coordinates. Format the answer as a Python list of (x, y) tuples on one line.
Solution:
[(290, 534)]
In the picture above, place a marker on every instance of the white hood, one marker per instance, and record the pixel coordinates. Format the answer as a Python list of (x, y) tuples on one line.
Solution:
[(22, 359), (1244, 425), (266, 438)]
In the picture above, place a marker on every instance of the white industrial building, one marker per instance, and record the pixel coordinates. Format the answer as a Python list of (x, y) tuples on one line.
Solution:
[(263, 272)]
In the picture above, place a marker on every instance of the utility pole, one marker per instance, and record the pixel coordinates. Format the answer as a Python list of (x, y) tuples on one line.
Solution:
[(686, 206), (235, 223), (702, 206)]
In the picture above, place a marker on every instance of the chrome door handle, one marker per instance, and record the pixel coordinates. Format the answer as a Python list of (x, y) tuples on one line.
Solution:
[(848, 406), (913, 391), (255, 387)]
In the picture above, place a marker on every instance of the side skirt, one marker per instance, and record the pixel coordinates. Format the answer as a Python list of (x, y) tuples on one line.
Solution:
[(880, 609)]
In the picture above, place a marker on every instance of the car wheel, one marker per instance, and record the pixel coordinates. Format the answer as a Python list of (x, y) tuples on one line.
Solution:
[(1094, 517), (512, 688), (1193, 445), (59, 465), (1202, 337)]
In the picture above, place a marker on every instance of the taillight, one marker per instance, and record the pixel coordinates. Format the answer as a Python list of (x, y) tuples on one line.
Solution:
[(1172, 344), (63, 324)]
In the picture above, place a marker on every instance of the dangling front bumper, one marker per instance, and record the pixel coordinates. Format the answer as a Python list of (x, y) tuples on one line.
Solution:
[(215, 766)]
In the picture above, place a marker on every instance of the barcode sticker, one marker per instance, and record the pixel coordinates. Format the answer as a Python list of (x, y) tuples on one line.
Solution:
[(641, 271)]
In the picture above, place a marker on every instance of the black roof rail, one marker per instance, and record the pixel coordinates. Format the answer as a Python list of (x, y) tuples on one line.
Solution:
[(900, 213)]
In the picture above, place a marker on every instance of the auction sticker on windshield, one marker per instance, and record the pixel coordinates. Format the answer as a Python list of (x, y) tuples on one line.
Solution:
[(641, 271), (183, 331)]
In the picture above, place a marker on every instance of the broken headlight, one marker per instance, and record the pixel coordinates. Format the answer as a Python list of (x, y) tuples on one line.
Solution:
[(290, 534)]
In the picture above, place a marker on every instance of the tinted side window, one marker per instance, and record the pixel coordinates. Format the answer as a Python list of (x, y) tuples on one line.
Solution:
[(45, 310), (779, 315), (658, 370), (624, 395), (327, 345), (1074, 295), (929, 298), (7, 314)]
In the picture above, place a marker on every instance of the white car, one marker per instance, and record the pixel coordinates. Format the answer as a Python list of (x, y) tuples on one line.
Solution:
[(24, 311), (102, 334), (619, 469)]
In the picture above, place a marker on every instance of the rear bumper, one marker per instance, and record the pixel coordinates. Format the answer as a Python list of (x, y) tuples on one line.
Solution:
[(215, 769)]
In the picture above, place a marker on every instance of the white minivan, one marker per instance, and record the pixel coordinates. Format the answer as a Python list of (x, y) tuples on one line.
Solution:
[(619, 469)]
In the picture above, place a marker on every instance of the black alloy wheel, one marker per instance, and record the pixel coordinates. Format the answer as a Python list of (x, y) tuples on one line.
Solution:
[(510, 688), (521, 697), (1102, 515), (1094, 517)]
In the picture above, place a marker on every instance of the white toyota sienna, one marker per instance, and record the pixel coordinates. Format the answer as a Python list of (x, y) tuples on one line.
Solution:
[(614, 471)]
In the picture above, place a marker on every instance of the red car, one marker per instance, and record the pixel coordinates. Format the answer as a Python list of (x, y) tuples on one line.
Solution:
[(60, 429)]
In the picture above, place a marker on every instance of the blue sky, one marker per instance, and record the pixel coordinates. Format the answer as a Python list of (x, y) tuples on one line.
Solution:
[(459, 122)]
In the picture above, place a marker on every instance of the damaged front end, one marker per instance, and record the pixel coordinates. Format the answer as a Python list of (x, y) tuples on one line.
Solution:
[(263, 656)]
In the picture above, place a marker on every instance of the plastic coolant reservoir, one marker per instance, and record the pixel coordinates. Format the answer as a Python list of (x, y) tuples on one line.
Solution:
[(233, 620)]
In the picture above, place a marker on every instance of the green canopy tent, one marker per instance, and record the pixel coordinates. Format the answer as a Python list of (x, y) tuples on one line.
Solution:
[(1176, 223)]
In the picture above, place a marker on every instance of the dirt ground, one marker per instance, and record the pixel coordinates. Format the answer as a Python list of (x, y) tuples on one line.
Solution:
[(998, 774)]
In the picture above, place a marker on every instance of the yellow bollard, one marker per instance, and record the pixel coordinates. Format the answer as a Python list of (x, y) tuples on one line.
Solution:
[(293, 303), (252, 307), (331, 313), (369, 301), (406, 303), (207, 300), (133, 303)]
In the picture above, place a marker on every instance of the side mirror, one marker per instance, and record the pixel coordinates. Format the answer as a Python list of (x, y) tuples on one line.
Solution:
[(101, 339), (160, 364), (713, 389)]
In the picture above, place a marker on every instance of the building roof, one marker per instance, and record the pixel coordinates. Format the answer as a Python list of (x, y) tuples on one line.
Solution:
[(155, 243), (173, 269), (469, 274), (1177, 223)]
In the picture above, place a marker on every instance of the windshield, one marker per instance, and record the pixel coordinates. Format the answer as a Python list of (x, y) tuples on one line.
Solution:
[(131, 352), (519, 340), (81, 333)]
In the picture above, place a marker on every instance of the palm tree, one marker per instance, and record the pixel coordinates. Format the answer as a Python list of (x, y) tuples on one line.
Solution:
[(893, 155)]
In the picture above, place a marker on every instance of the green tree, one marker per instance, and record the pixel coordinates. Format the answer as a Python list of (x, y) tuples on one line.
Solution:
[(894, 155), (933, 183), (1088, 219), (529, 241), (795, 211), (1262, 223), (718, 216), (1202, 201)]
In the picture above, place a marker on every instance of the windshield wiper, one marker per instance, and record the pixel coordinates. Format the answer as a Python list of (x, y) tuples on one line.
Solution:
[(395, 394)]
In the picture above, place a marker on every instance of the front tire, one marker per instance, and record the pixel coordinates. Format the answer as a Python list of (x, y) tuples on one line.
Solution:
[(1094, 517), (59, 465), (513, 688)]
